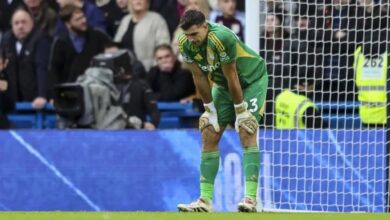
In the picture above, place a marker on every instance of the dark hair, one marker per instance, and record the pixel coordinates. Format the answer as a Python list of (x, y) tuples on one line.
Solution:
[(190, 18), (279, 14), (67, 12), (163, 46)]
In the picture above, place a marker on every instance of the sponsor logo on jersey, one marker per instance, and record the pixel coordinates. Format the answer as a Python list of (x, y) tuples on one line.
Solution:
[(210, 68)]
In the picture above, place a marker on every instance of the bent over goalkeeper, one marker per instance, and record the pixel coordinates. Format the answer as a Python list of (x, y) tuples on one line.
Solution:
[(239, 84)]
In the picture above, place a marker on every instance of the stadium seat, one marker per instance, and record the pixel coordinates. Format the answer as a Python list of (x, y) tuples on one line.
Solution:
[(340, 114), (173, 115), (178, 115)]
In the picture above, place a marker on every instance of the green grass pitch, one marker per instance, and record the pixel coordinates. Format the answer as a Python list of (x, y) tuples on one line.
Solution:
[(187, 216)]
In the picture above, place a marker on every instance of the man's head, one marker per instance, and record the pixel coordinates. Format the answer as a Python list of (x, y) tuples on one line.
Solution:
[(22, 23), (165, 58), (228, 7), (303, 22), (273, 21), (194, 26), (122, 4), (201, 5), (74, 18), (365, 2), (137, 6)]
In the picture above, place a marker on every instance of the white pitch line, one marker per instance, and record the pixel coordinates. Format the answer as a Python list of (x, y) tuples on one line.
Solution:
[(335, 172), (41, 158), (346, 161)]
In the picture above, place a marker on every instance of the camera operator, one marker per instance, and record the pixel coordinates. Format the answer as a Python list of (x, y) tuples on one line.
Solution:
[(136, 96), (107, 96)]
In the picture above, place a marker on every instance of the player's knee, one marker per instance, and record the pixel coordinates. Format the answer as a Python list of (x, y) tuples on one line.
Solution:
[(246, 138), (210, 138)]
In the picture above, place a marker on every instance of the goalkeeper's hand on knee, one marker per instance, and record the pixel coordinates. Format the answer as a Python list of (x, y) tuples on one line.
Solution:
[(244, 119), (209, 117)]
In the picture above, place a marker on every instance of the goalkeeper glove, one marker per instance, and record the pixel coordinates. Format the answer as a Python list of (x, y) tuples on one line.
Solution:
[(209, 117), (245, 119)]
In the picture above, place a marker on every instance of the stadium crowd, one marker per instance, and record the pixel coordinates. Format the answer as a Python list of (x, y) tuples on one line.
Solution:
[(308, 45)]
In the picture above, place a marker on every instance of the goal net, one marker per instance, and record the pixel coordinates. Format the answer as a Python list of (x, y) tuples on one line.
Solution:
[(326, 105)]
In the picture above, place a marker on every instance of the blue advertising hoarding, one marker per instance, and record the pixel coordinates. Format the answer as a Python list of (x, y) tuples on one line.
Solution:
[(316, 170)]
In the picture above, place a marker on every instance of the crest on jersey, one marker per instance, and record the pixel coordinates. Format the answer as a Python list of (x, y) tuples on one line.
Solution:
[(194, 48)]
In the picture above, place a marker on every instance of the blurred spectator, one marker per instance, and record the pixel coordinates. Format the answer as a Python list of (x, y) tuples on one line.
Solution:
[(73, 50), (167, 9), (294, 111), (180, 7), (136, 96), (339, 36), (385, 5), (141, 31), (100, 3), (201, 5), (169, 82), (230, 17), (276, 5), (6, 9), (26, 49), (306, 61), (372, 23), (114, 11), (94, 15), (52, 4), (44, 17), (214, 5), (287, 7), (273, 48)]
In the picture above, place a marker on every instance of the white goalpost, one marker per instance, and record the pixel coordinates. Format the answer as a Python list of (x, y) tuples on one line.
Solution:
[(333, 54)]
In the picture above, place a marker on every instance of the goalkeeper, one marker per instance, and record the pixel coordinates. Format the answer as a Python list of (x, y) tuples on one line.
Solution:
[(238, 91)]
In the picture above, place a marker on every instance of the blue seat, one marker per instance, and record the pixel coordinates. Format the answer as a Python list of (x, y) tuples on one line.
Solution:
[(343, 121), (177, 115), (340, 114), (25, 116), (173, 115), (50, 121), (22, 120)]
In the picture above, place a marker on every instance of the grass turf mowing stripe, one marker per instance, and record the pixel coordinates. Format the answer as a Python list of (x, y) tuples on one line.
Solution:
[(187, 216)]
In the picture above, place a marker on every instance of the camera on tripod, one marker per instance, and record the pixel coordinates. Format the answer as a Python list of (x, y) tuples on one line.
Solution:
[(72, 100), (118, 62)]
